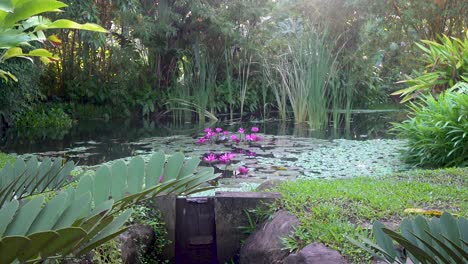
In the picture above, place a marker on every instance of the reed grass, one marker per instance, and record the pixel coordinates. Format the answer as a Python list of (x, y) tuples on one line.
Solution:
[(305, 71)]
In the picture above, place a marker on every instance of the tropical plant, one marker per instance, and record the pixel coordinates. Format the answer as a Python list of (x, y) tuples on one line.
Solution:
[(21, 23), (446, 65), (436, 241), (437, 131), (82, 216)]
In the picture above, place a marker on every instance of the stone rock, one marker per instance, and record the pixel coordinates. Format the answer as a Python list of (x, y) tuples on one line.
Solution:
[(268, 185), (230, 215), (137, 241), (315, 253), (264, 246)]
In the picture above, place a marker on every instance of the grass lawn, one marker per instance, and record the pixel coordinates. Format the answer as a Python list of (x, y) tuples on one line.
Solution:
[(4, 158), (330, 210)]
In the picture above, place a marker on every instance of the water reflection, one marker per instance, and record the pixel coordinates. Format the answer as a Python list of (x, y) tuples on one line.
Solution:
[(94, 142)]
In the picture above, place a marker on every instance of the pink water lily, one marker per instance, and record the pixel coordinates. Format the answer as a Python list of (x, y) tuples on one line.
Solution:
[(241, 130), (161, 179), (210, 158), (201, 140), (207, 130), (226, 157), (243, 170), (252, 137), (255, 129), (235, 138), (210, 134), (218, 130), (226, 133)]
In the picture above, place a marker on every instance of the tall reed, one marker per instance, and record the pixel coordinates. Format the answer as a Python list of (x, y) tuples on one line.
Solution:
[(305, 70), (272, 81), (244, 73)]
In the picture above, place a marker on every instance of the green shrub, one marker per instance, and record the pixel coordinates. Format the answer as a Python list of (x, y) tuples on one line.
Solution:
[(54, 117), (437, 131)]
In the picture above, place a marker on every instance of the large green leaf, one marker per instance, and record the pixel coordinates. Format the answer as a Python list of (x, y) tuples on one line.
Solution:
[(27, 9), (74, 211), (25, 217), (112, 230), (49, 214), (68, 24), (383, 240), (418, 253), (154, 169), (102, 185), (68, 237), (136, 175), (119, 180), (11, 247), (39, 241), (7, 212), (173, 166)]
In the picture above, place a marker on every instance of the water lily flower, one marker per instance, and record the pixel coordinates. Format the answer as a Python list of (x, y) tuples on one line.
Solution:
[(210, 158), (255, 129), (219, 130), (210, 134), (226, 158), (243, 170), (252, 137), (207, 130), (161, 178), (241, 130), (201, 140), (235, 139), (226, 133)]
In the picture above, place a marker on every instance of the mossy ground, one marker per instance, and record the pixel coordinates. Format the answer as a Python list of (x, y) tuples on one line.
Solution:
[(331, 210), (4, 158)]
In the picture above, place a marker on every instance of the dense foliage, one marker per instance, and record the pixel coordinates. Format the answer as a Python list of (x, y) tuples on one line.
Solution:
[(437, 131), (217, 57)]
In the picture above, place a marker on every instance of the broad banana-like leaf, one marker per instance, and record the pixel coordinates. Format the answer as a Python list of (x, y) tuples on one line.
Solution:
[(154, 169), (383, 240), (68, 24), (24, 10), (82, 217), (24, 179)]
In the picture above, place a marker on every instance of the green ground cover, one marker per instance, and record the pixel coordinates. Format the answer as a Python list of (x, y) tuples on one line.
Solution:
[(331, 210), (4, 158)]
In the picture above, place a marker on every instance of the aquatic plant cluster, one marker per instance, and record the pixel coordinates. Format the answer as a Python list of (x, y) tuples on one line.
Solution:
[(218, 136)]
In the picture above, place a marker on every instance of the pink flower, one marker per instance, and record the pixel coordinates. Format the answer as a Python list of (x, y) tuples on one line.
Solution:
[(201, 140), (243, 170), (234, 138), (226, 157), (219, 130), (241, 130), (210, 134), (210, 158), (207, 130), (226, 133), (161, 179), (252, 137), (255, 129)]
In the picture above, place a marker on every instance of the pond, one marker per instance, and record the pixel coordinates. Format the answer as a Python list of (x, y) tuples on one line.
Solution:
[(286, 151)]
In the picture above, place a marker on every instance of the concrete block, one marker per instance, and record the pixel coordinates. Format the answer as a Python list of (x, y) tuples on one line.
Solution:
[(230, 215), (167, 206)]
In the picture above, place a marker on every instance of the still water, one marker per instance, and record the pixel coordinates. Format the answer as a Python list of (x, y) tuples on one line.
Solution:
[(95, 142)]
